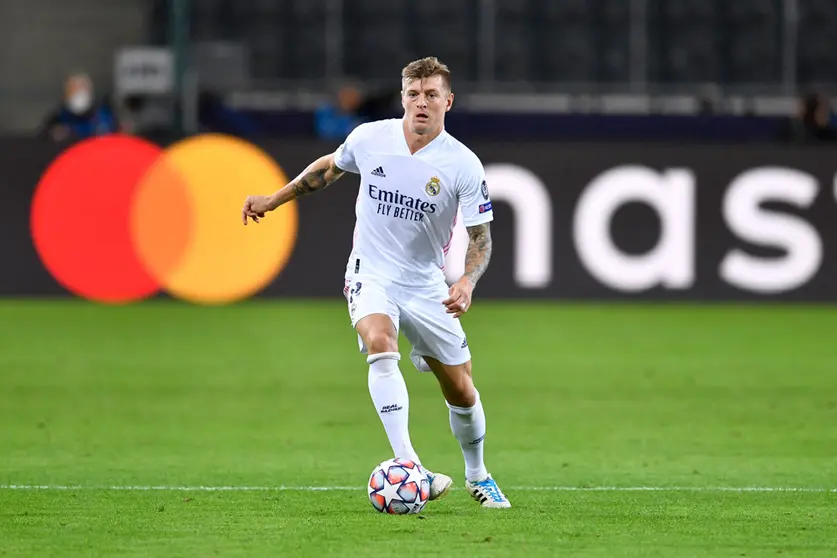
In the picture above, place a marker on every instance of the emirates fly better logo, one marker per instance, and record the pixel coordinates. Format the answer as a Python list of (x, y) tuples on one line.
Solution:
[(117, 219)]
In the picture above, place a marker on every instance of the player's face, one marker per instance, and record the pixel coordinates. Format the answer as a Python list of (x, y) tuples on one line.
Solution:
[(425, 103)]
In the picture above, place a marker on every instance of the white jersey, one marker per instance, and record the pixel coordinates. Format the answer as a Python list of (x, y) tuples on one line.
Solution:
[(407, 203)]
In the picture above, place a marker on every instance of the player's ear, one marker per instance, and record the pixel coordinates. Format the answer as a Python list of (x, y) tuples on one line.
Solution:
[(449, 103)]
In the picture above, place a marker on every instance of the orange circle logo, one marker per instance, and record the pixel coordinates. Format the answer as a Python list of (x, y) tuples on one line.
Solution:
[(117, 219)]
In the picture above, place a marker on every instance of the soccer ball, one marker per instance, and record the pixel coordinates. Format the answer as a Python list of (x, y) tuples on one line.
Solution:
[(398, 486)]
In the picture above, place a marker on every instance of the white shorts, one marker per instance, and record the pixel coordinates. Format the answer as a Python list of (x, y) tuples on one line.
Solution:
[(417, 312)]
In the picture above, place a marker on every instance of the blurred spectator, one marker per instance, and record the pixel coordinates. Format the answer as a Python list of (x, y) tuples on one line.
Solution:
[(814, 121), (80, 114), (335, 121)]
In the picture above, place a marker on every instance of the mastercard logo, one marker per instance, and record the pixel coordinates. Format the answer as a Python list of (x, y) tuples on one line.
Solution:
[(117, 219)]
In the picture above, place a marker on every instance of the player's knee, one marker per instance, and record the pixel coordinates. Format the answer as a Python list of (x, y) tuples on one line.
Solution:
[(380, 341), (465, 397), (461, 390)]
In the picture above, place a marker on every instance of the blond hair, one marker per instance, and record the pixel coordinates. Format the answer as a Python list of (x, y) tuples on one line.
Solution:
[(425, 68)]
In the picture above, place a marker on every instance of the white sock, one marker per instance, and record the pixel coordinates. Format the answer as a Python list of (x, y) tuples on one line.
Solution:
[(468, 427), (389, 394)]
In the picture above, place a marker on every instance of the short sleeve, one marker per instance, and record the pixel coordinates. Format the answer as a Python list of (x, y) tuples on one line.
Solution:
[(474, 199), (344, 155)]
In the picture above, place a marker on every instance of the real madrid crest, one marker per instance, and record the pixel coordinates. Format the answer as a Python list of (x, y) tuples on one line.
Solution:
[(433, 187)]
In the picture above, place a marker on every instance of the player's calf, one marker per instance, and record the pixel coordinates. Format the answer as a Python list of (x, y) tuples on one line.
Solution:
[(455, 381), (392, 402)]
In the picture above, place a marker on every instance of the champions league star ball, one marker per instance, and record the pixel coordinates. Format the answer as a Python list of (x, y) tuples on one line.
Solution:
[(398, 486)]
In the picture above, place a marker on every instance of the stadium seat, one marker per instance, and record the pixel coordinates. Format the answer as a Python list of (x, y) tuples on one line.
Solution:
[(615, 12), (512, 8), (566, 12), (445, 29), (752, 35), (375, 9), (614, 62), (376, 53), (685, 47), (571, 56), (817, 57)]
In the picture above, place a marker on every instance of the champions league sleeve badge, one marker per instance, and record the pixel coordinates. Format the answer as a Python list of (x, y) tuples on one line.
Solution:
[(484, 190)]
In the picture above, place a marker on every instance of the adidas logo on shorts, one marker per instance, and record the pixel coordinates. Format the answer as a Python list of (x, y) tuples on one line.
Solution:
[(464, 343), (379, 172)]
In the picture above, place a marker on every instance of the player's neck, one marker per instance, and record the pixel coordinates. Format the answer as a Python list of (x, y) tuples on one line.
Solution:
[(417, 141)]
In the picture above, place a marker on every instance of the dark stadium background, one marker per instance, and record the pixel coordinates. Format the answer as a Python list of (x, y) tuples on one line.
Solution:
[(653, 340)]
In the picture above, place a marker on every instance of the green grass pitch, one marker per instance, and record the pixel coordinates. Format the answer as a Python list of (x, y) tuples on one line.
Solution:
[(615, 430)]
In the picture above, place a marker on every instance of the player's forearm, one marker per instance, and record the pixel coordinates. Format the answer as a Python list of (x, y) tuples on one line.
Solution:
[(317, 176), (479, 252)]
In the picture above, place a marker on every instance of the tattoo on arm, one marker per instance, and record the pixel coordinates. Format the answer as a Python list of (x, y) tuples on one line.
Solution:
[(479, 252), (316, 179)]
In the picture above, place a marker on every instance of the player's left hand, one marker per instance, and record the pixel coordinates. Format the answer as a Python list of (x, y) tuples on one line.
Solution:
[(460, 297)]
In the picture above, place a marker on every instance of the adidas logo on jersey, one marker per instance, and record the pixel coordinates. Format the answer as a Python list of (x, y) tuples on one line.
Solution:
[(379, 172)]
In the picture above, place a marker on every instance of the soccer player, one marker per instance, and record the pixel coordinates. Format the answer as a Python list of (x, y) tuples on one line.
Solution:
[(413, 177)]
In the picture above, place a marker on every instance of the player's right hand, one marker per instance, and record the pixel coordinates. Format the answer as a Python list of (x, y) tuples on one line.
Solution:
[(255, 207), (459, 299)]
